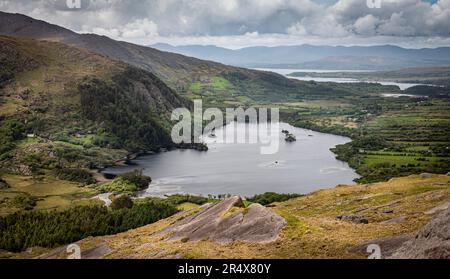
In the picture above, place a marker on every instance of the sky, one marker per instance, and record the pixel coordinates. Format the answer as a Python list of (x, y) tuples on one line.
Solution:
[(241, 23)]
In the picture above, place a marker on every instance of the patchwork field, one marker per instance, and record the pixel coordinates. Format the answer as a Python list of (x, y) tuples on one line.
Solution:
[(42, 193)]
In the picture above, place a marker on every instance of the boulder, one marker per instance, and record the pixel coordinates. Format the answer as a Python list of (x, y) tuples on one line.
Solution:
[(431, 242), (226, 222), (353, 218), (388, 245), (97, 252), (438, 208), (426, 175), (397, 220)]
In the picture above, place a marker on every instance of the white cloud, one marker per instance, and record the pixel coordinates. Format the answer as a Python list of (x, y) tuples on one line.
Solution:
[(257, 21), (138, 29), (366, 25)]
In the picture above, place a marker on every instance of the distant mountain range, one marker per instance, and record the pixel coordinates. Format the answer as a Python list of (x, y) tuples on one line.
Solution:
[(385, 57), (180, 72), (190, 77)]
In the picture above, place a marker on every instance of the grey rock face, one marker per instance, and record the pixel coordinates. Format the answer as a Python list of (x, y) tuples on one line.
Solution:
[(219, 223), (431, 242)]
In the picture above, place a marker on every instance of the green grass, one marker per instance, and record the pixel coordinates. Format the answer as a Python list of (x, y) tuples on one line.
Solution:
[(195, 87), (220, 84), (51, 193)]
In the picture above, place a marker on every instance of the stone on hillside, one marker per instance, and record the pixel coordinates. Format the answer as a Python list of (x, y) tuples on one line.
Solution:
[(397, 220), (438, 208), (353, 218), (426, 175), (388, 245), (431, 242), (227, 222)]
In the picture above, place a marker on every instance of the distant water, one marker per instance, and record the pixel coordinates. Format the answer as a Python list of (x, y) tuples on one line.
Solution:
[(299, 167), (286, 72)]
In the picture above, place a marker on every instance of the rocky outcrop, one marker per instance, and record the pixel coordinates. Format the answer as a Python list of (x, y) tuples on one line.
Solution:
[(431, 242), (426, 175), (96, 252), (226, 222), (388, 245), (353, 218)]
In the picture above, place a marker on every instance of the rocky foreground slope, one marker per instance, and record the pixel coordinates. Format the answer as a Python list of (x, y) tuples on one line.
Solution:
[(407, 217)]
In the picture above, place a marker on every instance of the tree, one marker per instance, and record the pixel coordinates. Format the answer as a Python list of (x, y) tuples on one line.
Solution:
[(122, 202)]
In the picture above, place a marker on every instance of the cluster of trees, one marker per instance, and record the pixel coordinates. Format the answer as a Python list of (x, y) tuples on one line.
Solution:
[(76, 175), (179, 199), (122, 202), (127, 183), (269, 197), (138, 178), (123, 112), (20, 231), (11, 130), (25, 201)]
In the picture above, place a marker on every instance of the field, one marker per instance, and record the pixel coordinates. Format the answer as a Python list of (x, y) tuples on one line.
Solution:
[(391, 136), (47, 193)]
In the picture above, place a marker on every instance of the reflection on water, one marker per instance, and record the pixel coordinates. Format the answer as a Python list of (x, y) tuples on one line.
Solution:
[(300, 167)]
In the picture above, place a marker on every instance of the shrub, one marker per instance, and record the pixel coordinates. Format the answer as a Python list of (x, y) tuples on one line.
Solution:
[(136, 177), (268, 198), (4, 184), (179, 199), (122, 202), (75, 175), (118, 186), (24, 201)]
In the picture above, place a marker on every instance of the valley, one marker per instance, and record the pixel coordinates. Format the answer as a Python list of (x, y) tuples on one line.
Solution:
[(81, 114)]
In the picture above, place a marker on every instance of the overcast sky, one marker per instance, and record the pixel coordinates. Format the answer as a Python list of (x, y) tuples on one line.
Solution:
[(240, 23)]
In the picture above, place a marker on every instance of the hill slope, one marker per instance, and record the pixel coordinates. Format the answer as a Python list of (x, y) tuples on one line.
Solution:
[(65, 96), (189, 76), (333, 223)]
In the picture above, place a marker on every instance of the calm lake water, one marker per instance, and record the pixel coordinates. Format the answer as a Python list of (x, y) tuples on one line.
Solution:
[(240, 169), (285, 72)]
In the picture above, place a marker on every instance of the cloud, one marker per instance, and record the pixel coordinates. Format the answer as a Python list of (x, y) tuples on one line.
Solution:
[(140, 28), (349, 21), (366, 25)]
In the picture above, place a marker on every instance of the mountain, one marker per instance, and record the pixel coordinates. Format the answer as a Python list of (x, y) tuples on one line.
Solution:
[(76, 107), (318, 57), (188, 76)]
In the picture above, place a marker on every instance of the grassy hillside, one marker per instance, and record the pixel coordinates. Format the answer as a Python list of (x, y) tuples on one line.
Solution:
[(61, 106), (398, 207)]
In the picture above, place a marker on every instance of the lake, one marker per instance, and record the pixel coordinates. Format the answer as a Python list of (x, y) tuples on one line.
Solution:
[(286, 72), (240, 169)]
